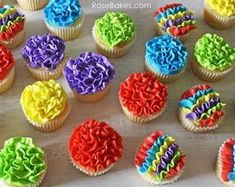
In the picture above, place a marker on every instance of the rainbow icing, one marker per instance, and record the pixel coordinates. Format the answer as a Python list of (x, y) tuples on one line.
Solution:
[(175, 19), (202, 106)]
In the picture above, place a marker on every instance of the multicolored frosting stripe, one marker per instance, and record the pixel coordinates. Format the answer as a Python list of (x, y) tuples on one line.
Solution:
[(222, 7), (89, 73), (159, 157), (202, 106), (166, 54), (44, 51), (11, 22), (175, 19)]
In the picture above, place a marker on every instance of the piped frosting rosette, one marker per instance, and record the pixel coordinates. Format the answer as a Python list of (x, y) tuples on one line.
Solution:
[(159, 160), (201, 109)]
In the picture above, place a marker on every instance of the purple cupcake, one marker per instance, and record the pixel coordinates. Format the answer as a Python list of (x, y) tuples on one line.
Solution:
[(44, 55), (89, 76)]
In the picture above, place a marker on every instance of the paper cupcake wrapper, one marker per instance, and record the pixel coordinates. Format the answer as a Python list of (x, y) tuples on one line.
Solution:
[(6, 83), (32, 4), (14, 42), (66, 33), (91, 98), (207, 75), (114, 52), (217, 21)]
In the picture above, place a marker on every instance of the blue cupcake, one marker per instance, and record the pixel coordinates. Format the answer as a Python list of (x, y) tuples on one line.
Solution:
[(166, 57)]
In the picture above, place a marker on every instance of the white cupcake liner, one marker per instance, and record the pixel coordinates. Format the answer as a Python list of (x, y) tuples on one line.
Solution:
[(15, 41), (32, 4), (6, 83)]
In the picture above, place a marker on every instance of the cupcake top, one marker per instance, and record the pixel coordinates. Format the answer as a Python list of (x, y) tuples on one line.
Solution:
[(11, 22), (22, 163), (142, 94), (62, 13), (202, 105), (44, 51), (214, 53), (43, 101), (159, 158), (166, 54), (95, 146), (7, 61), (115, 28), (175, 19), (89, 73), (223, 7)]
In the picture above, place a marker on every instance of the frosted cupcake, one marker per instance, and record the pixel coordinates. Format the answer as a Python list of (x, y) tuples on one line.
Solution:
[(201, 109), (64, 18), (22, 163), (225, 165), (7, 69), (45, 105), (159, 160), (214, 58), (114, 34), (45, 56), (220, 14), (89, 76), (142, 97), (174, 19), (32, 4), (166, 57), (12, 31), (95, 147)]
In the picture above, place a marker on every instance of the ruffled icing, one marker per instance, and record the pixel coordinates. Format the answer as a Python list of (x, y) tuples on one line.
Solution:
[(89, 73), (43, 101), (223, 7), (44, 51), (22, 163), (7, 61), (159, 158), (11, 22), (166, 54), (95, 146), (214, 53), (62, 13), (175, 19), (115, 28), (142, 94)]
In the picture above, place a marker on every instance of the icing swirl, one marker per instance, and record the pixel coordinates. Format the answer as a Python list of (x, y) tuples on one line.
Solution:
[(22, 163), (166, 54), (46, 51), (223, 7), (214, 53), (115, 28), (43, 101), (89, 73), (142, 94), (62, 13), (95, 146)]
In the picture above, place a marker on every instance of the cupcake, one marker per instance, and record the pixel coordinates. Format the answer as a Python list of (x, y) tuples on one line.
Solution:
[(89, 76), (114, 34), (44, 56), (174, 19), (32, 4), (95, 147), (225, 165), (165, 57), (12, 31), (22, 163), (200, 109), (159, 160), (214, 58), (45, 105), (142, 97), (220, 14), (7, 69), (64, 18)]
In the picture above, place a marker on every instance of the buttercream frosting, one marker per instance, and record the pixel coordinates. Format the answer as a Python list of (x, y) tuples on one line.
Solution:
[(223, 7)]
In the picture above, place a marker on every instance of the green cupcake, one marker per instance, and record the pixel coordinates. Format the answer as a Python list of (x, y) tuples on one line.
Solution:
[(214, 58)]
